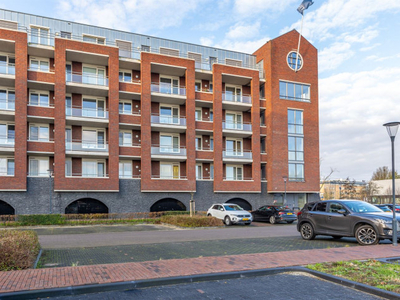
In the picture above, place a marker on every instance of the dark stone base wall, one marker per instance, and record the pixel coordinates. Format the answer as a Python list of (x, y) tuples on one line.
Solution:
[(36, 200)]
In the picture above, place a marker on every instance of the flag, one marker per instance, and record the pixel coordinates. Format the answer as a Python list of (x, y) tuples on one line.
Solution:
[(304, 5)]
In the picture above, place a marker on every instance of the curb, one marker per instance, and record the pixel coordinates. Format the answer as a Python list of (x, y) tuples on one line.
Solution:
[(98, 288)]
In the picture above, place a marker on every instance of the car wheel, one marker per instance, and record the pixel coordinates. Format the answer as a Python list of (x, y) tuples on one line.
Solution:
[(272, 219), (366, 235), (227, 221), (247, 223), (337, 237), (307, 231), (290, 222), (209, 215)]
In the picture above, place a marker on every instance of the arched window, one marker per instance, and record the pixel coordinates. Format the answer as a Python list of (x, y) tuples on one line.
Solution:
[(168, 204), (86, 206), (6, 209), (241, 202)]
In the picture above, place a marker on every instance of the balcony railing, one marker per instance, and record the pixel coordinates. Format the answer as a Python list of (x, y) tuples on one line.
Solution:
[(168, 150), (230, 97), (238, 178), (85, 175), (38, 139), (237, 154), (6, 142), (167, 120), (86, 78), (7, 68), (7, 104), (166, 88), (169, 177), (86, 146), (236, 126), (129, 145), (125, 176), (86, 112)]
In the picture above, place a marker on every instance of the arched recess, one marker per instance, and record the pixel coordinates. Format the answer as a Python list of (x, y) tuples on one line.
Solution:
[(168, 204), (6, 209), (241, 202), (86, 206)]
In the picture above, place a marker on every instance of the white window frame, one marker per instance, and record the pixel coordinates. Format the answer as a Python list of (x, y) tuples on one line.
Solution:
[(7, 62), (201, 114), (211, 113), (199, 137), (97, 77), (199, 171), (235, 124), (68, 63), (39, 93), (97, 110), (5, 103), (97, 161), (7, 124), (236, 151), (39, 60), (96, 144), (121, 165), (68, 166), (7, 159), (123, 107), (171, 147), (124, 71), (123, 138), (172, 87), (98, 39), (200, 83), (172, 117), (170, 176), (40, 28), (39, 138), (40, 172), (236, 168), (235, 95)]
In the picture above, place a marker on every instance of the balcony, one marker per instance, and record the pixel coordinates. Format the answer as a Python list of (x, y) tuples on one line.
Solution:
[(6, 145), (86, 148), (237, 156), (88, 84), (238, 178), (7, 107), (168, 93), (167, 123), (171, 177), (236, 129), (231, 101), (76, 115), (7, 74), (168, 153), (86, 175)]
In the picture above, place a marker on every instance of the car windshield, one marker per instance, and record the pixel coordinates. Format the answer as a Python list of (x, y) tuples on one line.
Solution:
[(362, 207), (232, 207)]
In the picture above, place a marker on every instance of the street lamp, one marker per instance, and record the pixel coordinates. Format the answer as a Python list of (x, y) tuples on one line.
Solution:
[(392, 128), (284, 199)]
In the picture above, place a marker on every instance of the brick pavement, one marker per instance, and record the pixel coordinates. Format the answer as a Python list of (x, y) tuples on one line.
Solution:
[(36, 279)]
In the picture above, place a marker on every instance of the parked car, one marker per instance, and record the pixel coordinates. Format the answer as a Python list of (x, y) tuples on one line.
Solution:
[(274, 214), (397, 209), (383, 207), (352, 218), (230, 213)]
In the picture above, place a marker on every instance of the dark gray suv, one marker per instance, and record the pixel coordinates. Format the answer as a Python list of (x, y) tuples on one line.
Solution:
[(339, 218)]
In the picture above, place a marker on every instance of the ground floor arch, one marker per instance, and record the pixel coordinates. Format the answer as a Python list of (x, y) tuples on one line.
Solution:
[(6, 209), (241, 202), (168, 204), (86, 206)]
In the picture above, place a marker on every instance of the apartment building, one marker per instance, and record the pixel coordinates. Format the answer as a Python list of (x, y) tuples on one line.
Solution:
[(99, 120)]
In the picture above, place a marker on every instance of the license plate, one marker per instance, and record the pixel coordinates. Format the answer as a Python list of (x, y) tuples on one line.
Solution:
[(245, 219), (289, 213)]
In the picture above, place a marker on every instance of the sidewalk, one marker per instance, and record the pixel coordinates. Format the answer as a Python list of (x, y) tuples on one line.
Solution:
[(38, 279)]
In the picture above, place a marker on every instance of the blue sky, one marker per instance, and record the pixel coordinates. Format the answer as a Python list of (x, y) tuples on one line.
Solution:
[(359, 57)]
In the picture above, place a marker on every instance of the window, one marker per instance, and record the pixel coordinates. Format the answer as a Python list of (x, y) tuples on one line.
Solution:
[(39, 98), (211, 87), (234, 172), (40, 35), (320, 206), (125, 169), (39, 166), (68, 138), (39, 64), (169, 85), (199, 143), (125, 138), (7, 166), (7, 99), (211, 171), (7, 134), (234, 147), (291, 60), (7, 64), (334, 207), (233, 121), (66, 35), (199, 171), (197, 59), (211, 143), (211, 115), (93, 139), (233, 93), (68, 72), (296, 172), (294, 91), (169, 170), (198, 115), (168, 51), (125, 76), (94, 75), (295, 121), (94, 39), (145, 48), (295, 145), (39, 133), (296, 148), (125, 48), (197, 86), (169, 114), (93, 168), (94, 108), (125, 107), (68, 166), (169, 143)]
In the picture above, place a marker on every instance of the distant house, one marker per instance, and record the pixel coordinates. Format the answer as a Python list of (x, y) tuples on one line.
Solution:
[(336, 189), (382, 191)]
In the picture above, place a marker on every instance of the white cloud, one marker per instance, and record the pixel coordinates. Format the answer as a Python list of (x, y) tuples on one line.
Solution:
[(206, 41), (378, 58), (252, 7), (365, 36), (243, 31), (330, 58), (370, 47)]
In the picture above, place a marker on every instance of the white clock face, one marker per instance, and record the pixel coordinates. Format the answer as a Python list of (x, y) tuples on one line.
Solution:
[(294, 60)]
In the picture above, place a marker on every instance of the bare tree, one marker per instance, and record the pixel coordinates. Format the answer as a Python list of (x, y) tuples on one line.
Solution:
[(369, 190), (325, 179), (383, 173)]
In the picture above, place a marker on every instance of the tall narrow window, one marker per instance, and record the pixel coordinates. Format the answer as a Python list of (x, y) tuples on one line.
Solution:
[(295, 145), (199, 171)]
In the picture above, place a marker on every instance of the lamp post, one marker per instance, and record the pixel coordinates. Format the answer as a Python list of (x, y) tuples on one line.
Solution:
[(392, 128), (284, 180)]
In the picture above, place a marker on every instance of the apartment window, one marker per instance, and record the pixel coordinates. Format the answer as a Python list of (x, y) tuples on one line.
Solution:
[(39, 166), (295, 121), (7, 99), (145, 48), (94, 39), (199, 171), (125, 48), (211, 87), (197, 59), (93, 138), (233, 120), (7, 166), (7, 64), (94, 75), (169, 85), (39, 133), (198, 114), (66, 35), (169, 114), (262, 118), (295, 145), (197, 86), (39, 98), (40, 35), (68, 166), (7, 134), (213, 60), (68, 72), (211, 115), (212, 144), (262, 91), (125, 107), (93, 168), (211, 171), (125, 169), (296, 148), (169, 143), (296, 172), (125, 76), (294, 91), (291, 60), (125, 138), (94, 108), (169, 170), (234, 172), (233, 93), (199, 143), (39, 64), (234, 147)]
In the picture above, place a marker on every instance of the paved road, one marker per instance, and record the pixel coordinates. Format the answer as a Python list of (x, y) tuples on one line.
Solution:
[(283, 286)]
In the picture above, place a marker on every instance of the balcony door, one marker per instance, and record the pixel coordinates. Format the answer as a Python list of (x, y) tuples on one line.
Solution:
[(93, 139), (233, 94), (234, 147), (169, 85), (233, 121), (169, 114), (169, 171), (169, 143), (93, 75), (7, 134), (93, 108)]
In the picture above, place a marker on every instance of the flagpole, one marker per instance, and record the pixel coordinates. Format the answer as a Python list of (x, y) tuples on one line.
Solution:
[(298, 47)]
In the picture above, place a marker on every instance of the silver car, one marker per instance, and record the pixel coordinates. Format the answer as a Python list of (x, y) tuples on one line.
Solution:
[(230, 213), (352, 218)]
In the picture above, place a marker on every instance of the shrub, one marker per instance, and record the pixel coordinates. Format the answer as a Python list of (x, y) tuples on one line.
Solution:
[(32, 220), (187, 221), (18, 249)]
